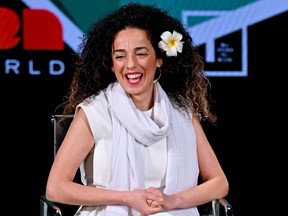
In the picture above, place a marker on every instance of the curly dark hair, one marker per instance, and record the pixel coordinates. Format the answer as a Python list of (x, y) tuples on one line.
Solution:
[(182, 78)]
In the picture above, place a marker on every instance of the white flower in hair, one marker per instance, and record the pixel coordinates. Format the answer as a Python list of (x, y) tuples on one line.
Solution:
[(171, 43)]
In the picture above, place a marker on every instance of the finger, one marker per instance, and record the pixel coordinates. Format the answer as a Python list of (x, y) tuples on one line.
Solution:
[(152, 203), (154, 197), (149, 202), (156, 193), (152, 190)]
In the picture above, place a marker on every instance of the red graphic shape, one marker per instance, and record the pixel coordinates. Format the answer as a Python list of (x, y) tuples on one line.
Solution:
[(9, 27), (41, 30)]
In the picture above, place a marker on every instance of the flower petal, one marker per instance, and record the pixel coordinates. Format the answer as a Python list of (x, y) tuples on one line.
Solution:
[(166, 36), (163, 46), (177, 36), (171, 52), (179, 46)]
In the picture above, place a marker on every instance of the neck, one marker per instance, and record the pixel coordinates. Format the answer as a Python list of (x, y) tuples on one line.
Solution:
[(143, 103)]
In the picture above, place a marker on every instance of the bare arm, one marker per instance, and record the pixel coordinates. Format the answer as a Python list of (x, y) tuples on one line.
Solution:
[(77, 143), (214, 186)]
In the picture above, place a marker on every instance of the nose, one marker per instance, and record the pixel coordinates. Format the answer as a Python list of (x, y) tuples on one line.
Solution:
[(131, 62)]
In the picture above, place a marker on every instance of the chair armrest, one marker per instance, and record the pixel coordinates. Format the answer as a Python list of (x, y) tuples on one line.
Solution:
[(48, 208), (227, 206)]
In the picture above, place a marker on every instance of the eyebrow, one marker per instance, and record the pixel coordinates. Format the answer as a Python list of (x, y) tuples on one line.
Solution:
[(137, 48)]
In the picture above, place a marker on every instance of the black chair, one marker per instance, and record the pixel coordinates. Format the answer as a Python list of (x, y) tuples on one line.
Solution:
[(48, 208), (219, 207)]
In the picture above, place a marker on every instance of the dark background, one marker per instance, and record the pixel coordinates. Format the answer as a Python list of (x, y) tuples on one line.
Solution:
[(248, 140)]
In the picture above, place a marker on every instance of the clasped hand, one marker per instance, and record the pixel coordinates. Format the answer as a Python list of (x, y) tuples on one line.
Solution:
[(154, 201)]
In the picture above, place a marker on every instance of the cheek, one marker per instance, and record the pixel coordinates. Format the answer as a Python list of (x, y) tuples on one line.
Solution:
[(117, 67), (151, 65)]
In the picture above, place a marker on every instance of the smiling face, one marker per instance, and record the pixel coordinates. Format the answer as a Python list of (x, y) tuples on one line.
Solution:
[(134, 64)]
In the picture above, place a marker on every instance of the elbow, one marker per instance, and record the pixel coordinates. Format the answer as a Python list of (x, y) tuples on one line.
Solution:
[(224, 188), (221, 187), (52, 193)]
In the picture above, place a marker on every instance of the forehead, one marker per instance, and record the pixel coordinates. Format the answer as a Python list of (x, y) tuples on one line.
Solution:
[(131, 36)]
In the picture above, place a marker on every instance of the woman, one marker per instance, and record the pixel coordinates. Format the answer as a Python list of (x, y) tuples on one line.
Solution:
[(139, 94)]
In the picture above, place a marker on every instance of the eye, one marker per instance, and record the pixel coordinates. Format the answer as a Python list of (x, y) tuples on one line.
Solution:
[(141, 54), (119, 57)]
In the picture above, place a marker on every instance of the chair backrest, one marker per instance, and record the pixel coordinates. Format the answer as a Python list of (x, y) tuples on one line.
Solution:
[(59, 129)]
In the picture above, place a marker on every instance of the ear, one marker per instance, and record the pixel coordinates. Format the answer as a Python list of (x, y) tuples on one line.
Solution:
[(112, 68), (159, 62)]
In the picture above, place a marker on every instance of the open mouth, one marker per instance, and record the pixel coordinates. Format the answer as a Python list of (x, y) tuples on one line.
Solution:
[(134, 78)]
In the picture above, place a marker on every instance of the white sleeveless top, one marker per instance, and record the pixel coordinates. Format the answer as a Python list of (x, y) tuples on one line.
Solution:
[(96, 167)]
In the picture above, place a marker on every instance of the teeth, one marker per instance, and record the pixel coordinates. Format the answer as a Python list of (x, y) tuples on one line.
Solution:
[(133, 76)]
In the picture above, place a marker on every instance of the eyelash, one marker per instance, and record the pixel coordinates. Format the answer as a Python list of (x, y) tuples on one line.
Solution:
[(119, 57), (138, 54)]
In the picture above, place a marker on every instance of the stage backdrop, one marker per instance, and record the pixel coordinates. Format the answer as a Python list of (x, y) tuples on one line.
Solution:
[(242, 42)]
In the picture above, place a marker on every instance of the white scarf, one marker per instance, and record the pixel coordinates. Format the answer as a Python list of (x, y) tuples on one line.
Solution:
[(133, 129)]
